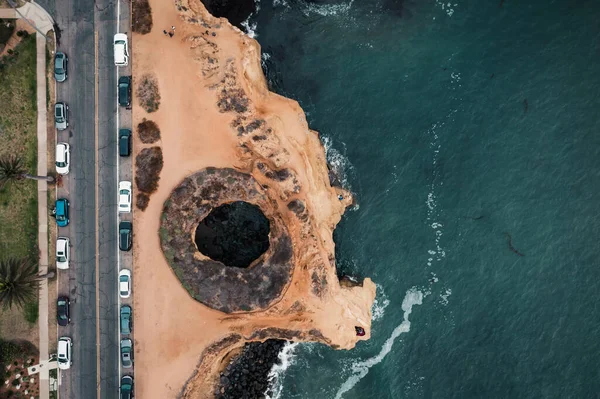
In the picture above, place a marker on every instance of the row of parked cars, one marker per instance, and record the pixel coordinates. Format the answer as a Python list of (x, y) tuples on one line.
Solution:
[(61, 212), (125, 227), (63, 244)]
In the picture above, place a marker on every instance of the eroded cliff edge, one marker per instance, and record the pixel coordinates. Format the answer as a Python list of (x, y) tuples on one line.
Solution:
[(292, 291)]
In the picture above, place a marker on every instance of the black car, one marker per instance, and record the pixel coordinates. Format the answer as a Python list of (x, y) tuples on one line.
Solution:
[(124, 142), (125, 91), (63, 315), (126, 387), (125, 235)]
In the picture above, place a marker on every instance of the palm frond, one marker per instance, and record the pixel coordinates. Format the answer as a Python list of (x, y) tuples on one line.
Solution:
[(19, 282), (11, 169)]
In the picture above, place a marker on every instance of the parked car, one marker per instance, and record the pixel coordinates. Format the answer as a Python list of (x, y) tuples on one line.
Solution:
[(61, 117), (63, 253), (62, 212), (63, 314), (60, 66), (63, 158), (125, 283), (126, 387), (64, 353), (126, 353), (125, 196), (124, 142), (125, 91), (125, 235), (120, 49), (125, 319)]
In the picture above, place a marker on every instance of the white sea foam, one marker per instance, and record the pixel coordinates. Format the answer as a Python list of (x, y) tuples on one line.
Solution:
[(339, 163), (433, 214), (379, 304), (327, 9), (361, 369), (251, 26), (448, 8), (286, 359), (444, 297)]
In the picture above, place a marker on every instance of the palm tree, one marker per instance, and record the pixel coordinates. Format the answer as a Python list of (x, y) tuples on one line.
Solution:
[(18, 282), (12, 169)]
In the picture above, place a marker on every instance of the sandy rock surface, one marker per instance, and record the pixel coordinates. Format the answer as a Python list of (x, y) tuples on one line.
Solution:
[(216, 112)]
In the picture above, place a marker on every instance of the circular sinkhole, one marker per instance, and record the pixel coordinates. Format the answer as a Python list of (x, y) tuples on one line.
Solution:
[(234, 234)]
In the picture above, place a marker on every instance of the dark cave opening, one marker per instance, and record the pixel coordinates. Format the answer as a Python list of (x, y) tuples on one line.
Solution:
[(235, 234)]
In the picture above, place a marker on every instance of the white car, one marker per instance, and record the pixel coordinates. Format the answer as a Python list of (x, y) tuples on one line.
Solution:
[(120, 48), (63, 158), (125, 196), (63, 253), (125, 283), (64, 353)]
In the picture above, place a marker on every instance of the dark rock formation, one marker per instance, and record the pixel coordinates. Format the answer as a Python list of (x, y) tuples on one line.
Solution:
[(236, 11), (228, 289), (235, 234), (246, 375)]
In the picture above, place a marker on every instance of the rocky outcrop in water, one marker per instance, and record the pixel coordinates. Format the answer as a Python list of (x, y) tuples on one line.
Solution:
[(247, 375)]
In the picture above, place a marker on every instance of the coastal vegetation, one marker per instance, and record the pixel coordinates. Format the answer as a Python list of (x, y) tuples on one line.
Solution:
[(148, 94), (148, 131), (148, 165), (141, 16)]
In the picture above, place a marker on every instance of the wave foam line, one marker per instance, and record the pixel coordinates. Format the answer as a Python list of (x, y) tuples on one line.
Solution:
[(326, 10), (360, 370), (286, 359)]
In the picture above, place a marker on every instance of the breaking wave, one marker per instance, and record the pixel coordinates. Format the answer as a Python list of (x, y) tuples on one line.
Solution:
[(286, 359), (338, 163), (326, 9), (361, 369), (308, 8), (381, 302), (249, 26)]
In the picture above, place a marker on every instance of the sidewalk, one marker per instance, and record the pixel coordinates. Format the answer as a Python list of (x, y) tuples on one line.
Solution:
[(42, 21)]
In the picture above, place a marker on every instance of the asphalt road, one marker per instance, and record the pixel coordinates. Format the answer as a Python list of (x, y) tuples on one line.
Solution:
[(76, 38), (86, 29)]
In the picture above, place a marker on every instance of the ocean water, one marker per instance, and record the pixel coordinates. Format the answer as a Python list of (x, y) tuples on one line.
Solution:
[(469, 132)]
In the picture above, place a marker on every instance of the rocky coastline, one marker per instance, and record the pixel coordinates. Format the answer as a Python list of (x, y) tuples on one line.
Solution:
[(246, 376)]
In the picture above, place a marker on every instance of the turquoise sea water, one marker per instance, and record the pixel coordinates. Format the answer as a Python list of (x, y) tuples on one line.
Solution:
[(457, 125)]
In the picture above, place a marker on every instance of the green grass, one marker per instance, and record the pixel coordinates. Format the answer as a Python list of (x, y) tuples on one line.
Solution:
[(31, 312), (18, 124)]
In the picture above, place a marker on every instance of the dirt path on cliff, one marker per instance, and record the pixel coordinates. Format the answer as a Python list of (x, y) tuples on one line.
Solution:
[(170, 328)]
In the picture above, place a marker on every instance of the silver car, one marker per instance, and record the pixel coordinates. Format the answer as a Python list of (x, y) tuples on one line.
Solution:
[(60, 116), (60, 66), (126, 353)]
